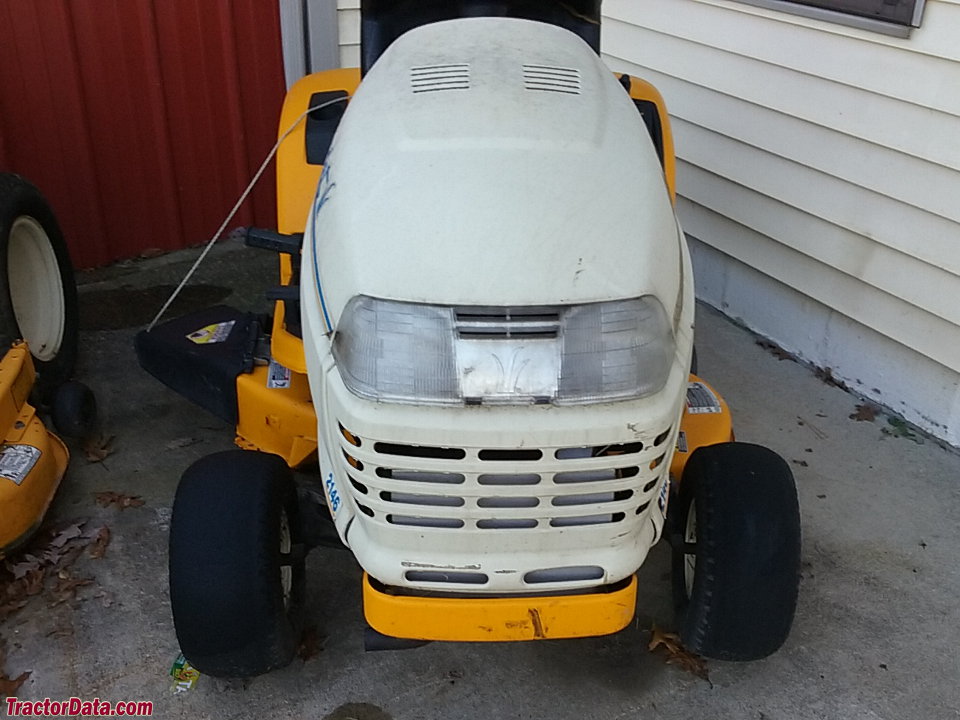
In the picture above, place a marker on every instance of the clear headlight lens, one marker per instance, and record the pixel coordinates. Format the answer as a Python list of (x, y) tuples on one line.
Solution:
[(615, 351), (598, 352)]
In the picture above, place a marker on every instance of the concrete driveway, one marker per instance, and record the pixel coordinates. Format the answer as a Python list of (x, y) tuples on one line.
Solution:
[(876, 633)]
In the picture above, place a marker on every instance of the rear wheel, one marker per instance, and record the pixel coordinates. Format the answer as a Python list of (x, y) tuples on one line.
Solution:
[(38, 297), (736, 562), (236, 564)]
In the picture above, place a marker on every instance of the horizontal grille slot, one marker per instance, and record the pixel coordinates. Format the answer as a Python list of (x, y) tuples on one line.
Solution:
[(421, 476), (563, 574), (587, 476), (592, 498), (506, 524), (437, 576), (427, 522), (574, 453), (508, 502), (503, 479), (522, 455), (429, 500), (421, 451), (434, 78), (581, 520)]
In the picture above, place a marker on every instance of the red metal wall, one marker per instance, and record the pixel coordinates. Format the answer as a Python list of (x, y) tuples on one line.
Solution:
[(141, 120)]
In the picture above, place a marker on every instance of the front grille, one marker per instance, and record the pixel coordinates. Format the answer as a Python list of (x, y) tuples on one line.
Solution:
[(506, 489), (507, 323)]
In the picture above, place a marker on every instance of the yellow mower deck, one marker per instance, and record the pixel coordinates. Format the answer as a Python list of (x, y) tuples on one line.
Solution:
[(32, 460)]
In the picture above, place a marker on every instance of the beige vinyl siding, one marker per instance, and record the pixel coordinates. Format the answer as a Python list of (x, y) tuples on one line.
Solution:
[(827, 159), (348, 22)]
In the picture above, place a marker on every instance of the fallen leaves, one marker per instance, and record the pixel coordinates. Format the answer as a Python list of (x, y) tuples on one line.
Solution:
[(98, 547), (775, 350), (10, 687), (676, 654), (108, 498), (900, 428), (825, 374), (865, 412), (98, 447), (49, 555)]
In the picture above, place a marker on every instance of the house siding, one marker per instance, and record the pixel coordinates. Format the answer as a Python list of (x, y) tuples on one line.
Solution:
[(819, 182), (819, 174), (348, 22)]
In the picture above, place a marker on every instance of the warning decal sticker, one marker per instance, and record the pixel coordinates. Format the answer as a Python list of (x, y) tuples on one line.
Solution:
[(278, 376), (16, 461), (700, 399), (216, 333)]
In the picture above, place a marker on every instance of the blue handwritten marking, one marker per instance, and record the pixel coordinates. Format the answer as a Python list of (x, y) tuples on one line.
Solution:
[(332, 492)]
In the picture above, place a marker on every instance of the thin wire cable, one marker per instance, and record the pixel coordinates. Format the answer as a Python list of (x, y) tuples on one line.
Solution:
[(236, 207)]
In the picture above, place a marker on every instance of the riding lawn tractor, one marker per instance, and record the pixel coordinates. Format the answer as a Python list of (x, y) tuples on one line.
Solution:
[(483, 337)]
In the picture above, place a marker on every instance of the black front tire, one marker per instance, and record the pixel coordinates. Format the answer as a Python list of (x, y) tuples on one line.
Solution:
[(738, 513), (22, 311), (236, 564)]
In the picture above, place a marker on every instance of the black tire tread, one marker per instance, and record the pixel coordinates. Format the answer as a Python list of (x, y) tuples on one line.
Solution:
[(224, 564), (748, 552)]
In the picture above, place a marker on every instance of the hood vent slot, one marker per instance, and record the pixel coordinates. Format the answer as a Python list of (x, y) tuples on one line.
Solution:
[(551, 79), (434, 78)]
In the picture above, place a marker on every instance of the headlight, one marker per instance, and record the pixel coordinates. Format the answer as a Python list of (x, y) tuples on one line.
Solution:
[(598, 352)]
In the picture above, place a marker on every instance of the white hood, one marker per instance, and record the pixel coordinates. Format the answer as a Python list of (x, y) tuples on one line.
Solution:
[(518, 176)]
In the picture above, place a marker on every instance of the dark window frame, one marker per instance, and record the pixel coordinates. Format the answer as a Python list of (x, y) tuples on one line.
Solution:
[(891, 17)]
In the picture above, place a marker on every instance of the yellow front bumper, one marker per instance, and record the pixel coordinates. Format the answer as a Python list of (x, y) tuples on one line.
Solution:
[(496, 619)]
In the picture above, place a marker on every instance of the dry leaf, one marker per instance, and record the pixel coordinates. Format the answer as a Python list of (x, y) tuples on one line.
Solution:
[(99, 546), (10, 687), (309, 644), (64, 536), (98, 448), (33, 582), (865, 412), (66, 588), (108, 498), (677, 654), (774, 349)]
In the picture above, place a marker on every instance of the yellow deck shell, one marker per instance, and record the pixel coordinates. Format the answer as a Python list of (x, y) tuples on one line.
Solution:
[(23, 504)]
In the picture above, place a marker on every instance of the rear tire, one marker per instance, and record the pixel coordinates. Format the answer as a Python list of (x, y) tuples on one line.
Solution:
[(236, 564), (736, 580), (38, 297)]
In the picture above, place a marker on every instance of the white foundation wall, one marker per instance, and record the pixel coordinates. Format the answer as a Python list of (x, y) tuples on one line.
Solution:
[(819, 173)]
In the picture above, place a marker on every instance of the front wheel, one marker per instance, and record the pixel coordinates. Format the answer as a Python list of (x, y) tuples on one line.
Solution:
[(237, 564), (736, 559)]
